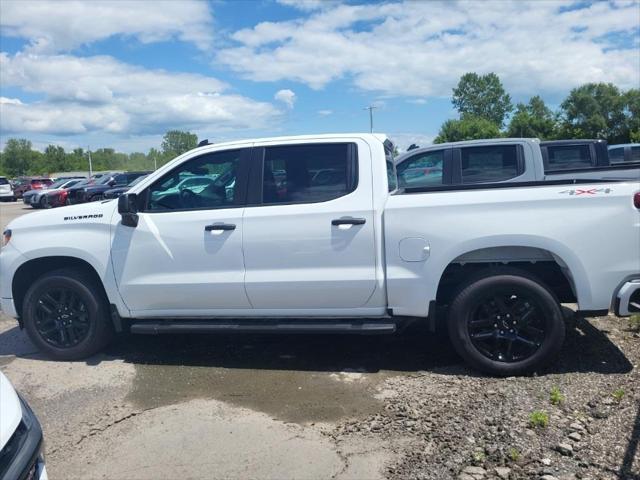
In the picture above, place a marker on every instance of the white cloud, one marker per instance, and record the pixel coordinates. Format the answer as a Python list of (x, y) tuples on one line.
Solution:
[(286, 96), (63, 26), (85, 94), (420, 49), (404, 140), (306, 5), (325, 113)]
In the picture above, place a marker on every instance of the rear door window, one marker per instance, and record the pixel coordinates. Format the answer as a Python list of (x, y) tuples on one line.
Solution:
[(489, 164), (308, 173), (616, 155), (568, 157), (635, 154), (422, 170)]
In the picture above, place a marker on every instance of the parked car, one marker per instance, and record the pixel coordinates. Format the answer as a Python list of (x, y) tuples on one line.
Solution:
[(505, 160), (58, 197), (37, 198), (91, 193), (23, 184), (623, 153), (491, 261), (21, 439), (74, 193), (6, 191), (117, 191)]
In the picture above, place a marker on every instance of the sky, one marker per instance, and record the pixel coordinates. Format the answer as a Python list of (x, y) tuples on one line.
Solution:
[(121, 73)]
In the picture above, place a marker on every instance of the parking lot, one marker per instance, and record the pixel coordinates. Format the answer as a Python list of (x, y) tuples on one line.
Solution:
[(279, 407)]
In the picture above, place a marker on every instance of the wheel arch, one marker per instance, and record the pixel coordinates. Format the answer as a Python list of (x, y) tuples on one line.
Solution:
[(32, 269)]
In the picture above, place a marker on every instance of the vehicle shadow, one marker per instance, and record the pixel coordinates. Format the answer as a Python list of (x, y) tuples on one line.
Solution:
[(586, 349)]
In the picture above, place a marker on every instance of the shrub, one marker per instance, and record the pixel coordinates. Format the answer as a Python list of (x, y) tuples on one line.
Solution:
[(555, 396), (618, 395), (538, 419)]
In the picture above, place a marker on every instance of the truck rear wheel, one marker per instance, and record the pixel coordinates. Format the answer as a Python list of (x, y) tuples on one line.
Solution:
[(66, 315), (506, 322)]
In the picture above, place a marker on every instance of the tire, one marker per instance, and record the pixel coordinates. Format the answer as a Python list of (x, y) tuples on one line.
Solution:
[(43, 202), (89, 326), (496, 319)]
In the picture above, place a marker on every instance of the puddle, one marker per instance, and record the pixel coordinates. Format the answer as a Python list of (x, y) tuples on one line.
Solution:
[(292, 396), (292, 378)]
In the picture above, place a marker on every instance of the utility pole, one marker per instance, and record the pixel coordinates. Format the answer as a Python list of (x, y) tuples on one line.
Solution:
[(90, 167), (370, 108)]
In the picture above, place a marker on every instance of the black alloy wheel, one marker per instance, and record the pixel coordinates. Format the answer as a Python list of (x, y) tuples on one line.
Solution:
[(61, 318), (507, 326)]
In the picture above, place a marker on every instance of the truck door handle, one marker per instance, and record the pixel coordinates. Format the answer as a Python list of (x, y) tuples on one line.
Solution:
[(348, 221), (219, 227)]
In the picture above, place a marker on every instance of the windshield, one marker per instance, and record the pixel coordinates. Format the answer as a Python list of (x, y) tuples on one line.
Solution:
[(103, 180), (3, 181), (59, 183), (137, 180)]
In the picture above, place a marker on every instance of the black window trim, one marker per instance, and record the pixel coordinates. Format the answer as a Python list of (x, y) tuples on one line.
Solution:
[(240, 193), (457, 154), (256, 174)]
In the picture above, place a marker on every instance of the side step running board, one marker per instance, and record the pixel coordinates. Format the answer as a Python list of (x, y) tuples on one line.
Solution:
[(311, 326)]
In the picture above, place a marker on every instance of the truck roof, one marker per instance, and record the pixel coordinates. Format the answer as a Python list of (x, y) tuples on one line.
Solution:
[(464, 143), (373, 136)]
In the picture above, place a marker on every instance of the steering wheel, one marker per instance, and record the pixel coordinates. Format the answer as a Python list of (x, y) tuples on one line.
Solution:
[(188, 198)]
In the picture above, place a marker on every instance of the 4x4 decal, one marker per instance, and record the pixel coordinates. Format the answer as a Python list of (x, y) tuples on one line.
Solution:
[(586, 191)]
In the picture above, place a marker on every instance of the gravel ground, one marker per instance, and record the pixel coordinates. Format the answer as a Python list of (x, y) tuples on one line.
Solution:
[(453, 423)]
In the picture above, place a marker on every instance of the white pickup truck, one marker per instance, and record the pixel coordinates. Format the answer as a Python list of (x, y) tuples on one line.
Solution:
[(310, 234)]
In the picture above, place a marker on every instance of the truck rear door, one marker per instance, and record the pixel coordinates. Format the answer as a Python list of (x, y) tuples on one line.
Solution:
[(309, 238)]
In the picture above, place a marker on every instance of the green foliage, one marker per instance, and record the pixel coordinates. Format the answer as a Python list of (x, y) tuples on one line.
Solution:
[(618, 395), (479, 456), (634, 322), (538, 419), (596, 110), (18, 158), (482, 96), (469, 127), (555, 396), (534, 119), (514, 454), (175, 142)]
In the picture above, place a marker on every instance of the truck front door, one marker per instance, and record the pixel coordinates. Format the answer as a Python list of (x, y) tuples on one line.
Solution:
[(184, 258)]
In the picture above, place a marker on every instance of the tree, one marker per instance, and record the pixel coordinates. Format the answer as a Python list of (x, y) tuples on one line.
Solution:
[(482, 96), (176, 142), (17, 157), (632, 110), (55, 159), (595, 110), (469, 127), (534, 119)]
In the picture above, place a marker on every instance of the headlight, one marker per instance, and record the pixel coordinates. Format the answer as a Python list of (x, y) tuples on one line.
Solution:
[(6, 236)]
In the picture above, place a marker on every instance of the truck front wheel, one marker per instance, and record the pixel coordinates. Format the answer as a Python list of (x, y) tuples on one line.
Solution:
[(66, 315), (506, 322)]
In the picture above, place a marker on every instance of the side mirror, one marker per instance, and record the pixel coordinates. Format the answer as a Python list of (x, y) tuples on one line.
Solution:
[(112, 182), (128, 209)]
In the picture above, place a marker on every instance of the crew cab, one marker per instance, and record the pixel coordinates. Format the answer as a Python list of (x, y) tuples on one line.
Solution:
[(312, 234), (509, 160)]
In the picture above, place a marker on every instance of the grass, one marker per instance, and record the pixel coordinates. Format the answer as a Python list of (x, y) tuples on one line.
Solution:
[(514, 454), (538, 419), (555, 396), (479, 456), (618, 395), (634, 323)]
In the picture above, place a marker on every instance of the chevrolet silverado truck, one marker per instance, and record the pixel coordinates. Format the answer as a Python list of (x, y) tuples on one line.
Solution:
[(510, 160), (311, 234)]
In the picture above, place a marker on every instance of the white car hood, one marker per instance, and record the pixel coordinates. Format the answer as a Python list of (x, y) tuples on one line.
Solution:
[(10, 410)]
